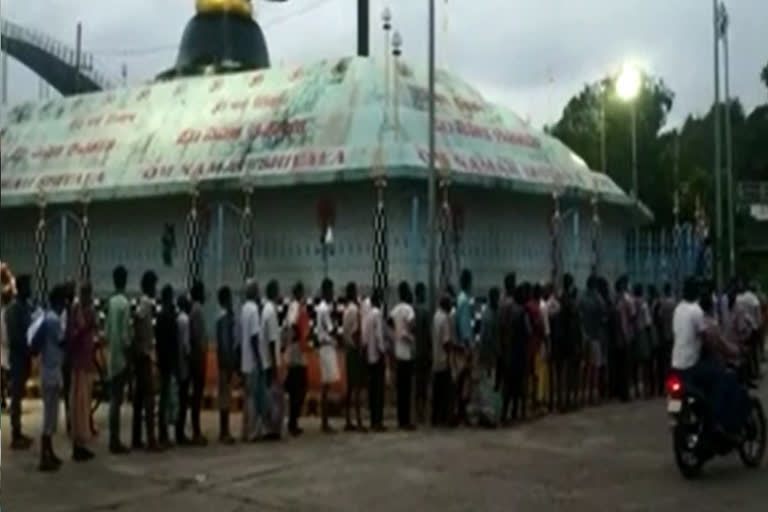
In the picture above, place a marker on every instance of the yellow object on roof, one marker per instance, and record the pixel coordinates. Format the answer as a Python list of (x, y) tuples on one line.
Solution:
[(242, 7)]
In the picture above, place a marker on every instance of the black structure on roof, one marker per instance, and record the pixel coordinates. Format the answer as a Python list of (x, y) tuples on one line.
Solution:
[(222, 40)]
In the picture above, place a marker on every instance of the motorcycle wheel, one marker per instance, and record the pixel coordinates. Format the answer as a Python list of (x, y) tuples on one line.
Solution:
[(752, 450), (688, 460)]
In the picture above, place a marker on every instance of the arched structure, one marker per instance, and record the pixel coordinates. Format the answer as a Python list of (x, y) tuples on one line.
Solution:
[(53, 61)]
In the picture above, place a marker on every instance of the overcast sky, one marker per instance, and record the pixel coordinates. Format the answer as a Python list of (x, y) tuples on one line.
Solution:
[(531, 55)]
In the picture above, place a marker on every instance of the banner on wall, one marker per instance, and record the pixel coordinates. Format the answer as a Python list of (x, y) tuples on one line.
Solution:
[(317, 123)]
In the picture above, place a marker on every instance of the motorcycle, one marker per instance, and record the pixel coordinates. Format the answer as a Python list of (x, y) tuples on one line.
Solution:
[(695, 440)]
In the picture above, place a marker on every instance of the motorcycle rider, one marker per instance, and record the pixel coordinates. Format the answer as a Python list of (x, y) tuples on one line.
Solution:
[(699, 354)]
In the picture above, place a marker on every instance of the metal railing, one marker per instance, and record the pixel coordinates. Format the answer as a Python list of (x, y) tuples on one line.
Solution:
[(61, 51)]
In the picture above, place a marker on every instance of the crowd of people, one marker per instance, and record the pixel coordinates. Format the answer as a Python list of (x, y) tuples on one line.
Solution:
[(524, 350)]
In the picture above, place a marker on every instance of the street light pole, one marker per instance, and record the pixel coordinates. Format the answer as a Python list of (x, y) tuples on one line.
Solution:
[(603, 146), (629, 86), (432, 176), (78, 55), (718, 155), (728, 145), (635, 187)]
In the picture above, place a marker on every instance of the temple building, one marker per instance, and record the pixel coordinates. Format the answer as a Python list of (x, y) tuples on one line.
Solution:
[(226, 168)]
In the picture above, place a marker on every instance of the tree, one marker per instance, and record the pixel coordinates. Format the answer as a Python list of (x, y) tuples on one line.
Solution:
[(764, 75), (579, 128)]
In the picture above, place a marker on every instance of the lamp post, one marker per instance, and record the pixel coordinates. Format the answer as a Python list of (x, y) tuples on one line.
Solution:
[(718, 155), (397, 51), (723, 32), (628, 87), (386, 25), (432, 177)]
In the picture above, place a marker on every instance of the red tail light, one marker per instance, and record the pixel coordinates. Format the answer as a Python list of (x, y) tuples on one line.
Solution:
[(674, 386)]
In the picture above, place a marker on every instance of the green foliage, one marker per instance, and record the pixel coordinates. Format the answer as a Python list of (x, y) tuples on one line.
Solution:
[(579, 128), (764, 75)]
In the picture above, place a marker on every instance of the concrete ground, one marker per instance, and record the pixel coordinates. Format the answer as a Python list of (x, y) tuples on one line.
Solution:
[(612, 458)]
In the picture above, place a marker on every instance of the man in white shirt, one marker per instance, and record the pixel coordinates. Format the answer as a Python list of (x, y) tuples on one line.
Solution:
[(376, 350), (687, 326), (269, 353), (403, 317), (329, 365), (250, 328), (686, 323)]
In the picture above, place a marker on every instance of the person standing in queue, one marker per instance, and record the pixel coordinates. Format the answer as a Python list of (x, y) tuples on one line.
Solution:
[(49, 343), (83, 322), (666, 313), (521, 338), (442, 339), (403, 317), (329, 364), (463, 350), (625, 308), (18, 318), (166, 334), (270, 351), (198, 340), (298, 323), (504, 367), (250, 325), (118, 336), (422, 356), (225, 352), (182, 328), (376, 352), (5, 300), (143, 351), (351, 334)]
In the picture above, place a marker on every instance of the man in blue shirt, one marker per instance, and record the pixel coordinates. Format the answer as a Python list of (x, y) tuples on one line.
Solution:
[(50, 344), (18, 318)]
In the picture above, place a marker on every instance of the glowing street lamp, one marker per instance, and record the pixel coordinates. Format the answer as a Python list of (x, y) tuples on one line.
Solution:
[(628, 86)]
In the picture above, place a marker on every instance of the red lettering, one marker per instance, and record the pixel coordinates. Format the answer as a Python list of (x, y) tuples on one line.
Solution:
[(189, 136), (257, 80), (90, 147), (218, 133), (461, 162), (121, 117), (219, 107), (216, 85), (161, 171), (48, 152), (20, 183), (269, 101), (94, 121)]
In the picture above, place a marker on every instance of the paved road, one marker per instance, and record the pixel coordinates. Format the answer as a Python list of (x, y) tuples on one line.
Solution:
[(613, 458)]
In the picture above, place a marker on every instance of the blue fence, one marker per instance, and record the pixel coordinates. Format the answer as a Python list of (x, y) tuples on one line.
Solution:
[(668, 255)]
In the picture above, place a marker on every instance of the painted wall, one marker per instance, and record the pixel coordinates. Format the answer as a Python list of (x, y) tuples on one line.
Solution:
[(503, 232)]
